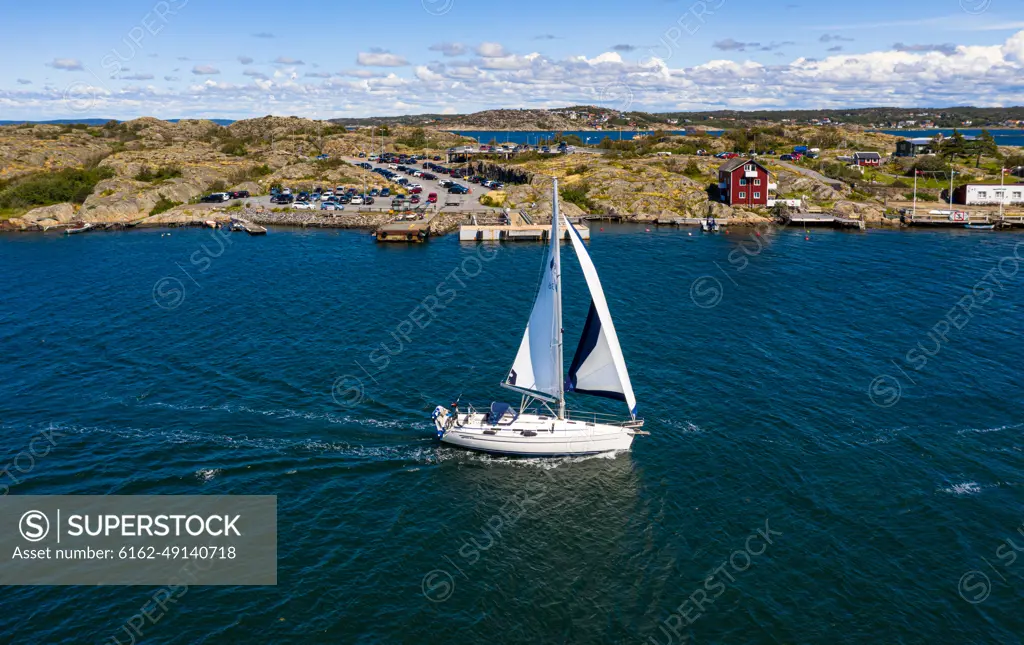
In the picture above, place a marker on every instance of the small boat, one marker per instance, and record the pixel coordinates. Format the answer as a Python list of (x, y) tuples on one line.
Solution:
[(710, 225), (980, 227), (540, 426), (79, 229)]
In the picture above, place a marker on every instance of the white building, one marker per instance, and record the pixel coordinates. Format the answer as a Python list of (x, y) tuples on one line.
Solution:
[(988, 194)]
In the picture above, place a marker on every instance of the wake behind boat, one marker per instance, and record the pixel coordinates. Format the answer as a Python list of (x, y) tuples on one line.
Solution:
[(541, 425)]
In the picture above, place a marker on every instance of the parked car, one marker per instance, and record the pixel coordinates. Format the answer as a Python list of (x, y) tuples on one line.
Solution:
[(216, 198), (240, 194), (302, 206), (357, 200), (432, 198), (344, 199), (415, 199), (415, 189), (385, 192), (374, 192), (786, 157), (331, 206)]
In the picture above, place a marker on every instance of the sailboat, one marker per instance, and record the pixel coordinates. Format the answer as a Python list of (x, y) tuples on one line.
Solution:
[(540, 425)]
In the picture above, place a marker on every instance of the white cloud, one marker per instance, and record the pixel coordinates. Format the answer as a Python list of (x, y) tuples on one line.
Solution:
[(380, 58), (490, 50), (286, 60), (137, 77), (24, 81), (317, 75), (245, 60), (449, 49), (201, 70), (67, 64), (919, 75)]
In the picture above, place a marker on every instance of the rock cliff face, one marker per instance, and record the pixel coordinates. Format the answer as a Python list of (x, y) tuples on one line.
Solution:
[(172, 164)]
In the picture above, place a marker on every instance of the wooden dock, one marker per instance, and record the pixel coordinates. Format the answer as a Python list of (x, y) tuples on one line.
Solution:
[(951, 219), (407, 228), (824, 219), (513, 227), (688, 221)]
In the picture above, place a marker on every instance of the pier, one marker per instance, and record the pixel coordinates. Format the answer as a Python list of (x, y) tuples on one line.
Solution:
[(824, 219), (950, 218), (516, 227), (411, 227)]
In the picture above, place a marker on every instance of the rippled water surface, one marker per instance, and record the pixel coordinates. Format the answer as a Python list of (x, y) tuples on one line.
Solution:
[(856, 398)]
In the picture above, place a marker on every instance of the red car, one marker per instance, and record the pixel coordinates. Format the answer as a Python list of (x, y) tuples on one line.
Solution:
[(415, 199), (416, 190), (432, 198)]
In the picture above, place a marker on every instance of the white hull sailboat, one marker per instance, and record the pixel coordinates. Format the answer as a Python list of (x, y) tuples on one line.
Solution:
[(540, 425)]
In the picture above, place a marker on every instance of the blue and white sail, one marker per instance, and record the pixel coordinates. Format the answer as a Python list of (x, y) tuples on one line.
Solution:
[(599, 367), (537, 369)]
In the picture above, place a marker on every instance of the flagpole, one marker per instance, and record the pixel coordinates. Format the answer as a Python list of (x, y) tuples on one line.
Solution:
[(916, 172), (1002, 190)]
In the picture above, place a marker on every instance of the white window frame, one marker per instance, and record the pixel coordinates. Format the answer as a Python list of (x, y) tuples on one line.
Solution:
[(757, 182), (757, 195), (742, 195)]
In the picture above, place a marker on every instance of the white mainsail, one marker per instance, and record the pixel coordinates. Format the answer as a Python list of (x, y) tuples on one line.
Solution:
[(538, 365), (599, 367)]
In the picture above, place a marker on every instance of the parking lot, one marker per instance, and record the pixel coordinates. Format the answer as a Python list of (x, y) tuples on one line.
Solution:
[(446, 202)]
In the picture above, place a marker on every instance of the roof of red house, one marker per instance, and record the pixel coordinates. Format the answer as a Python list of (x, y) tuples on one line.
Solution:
[(867, 155), (733, 164)]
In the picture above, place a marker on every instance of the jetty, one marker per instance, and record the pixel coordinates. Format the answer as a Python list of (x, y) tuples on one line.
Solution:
[(950, 218), (809, 219), (513, 227), (238, 224), (409, 227)]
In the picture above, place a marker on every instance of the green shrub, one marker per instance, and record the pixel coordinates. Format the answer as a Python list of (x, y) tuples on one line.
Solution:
[(163, 205), (217, 187), (578, 170), (692, 169), (234, 147), (45, 188), (577, 194), (148, 174)]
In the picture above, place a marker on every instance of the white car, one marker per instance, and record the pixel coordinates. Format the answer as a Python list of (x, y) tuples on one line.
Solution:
[(414, 185), (302, 206), (392, 166), (356, 200), (418, 173), (327, 196)]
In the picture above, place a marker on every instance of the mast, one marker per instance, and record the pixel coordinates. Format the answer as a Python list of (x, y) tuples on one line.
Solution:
[(557, 260)]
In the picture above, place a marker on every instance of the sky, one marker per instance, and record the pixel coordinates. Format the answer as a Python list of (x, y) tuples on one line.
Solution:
[(230, 59)]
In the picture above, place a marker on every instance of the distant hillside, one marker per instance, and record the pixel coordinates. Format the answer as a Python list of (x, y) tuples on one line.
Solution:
[(947, 117)]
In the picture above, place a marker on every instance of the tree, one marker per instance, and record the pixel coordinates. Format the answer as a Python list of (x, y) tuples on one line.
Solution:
[(953, 146), (984, 145)]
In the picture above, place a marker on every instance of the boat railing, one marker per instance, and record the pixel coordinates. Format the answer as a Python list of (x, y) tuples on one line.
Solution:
[(572, 415)]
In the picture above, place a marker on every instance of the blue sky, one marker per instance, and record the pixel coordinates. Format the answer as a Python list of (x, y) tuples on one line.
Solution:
[(189, 58)]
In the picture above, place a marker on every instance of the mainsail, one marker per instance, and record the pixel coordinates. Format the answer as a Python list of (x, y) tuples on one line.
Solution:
[(538, 365), (598, 367)]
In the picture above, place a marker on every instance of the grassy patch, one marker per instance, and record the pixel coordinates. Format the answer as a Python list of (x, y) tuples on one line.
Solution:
[(152, 175), (163, 205), (45, 188), (577, 194)]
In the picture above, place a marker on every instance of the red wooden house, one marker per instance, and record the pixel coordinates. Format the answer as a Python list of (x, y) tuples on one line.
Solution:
[(867, 158), (743, 182)]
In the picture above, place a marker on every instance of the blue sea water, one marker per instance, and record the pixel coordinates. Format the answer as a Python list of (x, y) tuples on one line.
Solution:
[(1002, 137), (835, 454)]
